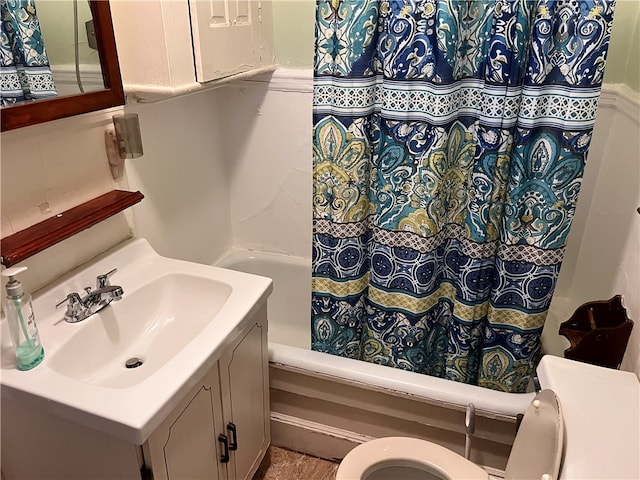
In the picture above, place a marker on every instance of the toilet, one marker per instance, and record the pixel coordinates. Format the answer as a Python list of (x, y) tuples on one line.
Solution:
[(536, 452), (546, 447)]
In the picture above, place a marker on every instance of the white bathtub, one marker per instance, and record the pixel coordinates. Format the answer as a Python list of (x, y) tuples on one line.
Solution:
[(301, 378)]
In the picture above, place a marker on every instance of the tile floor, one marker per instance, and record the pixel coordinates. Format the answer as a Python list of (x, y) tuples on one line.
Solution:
[(281, 464)]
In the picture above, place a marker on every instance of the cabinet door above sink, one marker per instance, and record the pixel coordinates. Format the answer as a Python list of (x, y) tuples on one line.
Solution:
[(182, 46), (230, 37)]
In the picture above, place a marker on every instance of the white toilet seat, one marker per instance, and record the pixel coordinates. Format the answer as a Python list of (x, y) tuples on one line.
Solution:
[(406, 452), (536, 452)]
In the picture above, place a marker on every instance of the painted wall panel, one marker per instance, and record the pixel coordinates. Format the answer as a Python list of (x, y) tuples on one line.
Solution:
[(186, 210)]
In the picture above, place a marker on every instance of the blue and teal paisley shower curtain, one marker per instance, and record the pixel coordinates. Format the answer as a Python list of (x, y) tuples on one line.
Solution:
[(449, 143), (24, 67)]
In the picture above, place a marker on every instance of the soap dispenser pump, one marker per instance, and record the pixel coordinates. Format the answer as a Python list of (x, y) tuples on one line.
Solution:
[(22, 323)]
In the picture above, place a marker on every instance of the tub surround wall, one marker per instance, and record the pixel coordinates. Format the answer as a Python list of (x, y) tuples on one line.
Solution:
[(267, 132), (605, 248)]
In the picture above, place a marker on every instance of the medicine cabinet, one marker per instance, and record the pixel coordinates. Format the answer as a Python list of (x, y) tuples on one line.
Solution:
[(187, 45)]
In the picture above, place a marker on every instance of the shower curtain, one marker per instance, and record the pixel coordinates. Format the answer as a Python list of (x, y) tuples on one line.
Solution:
[(449, 141), (24, 67)]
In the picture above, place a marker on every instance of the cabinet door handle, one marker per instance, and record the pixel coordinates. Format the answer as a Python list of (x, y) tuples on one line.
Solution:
[(233, 442), (224, 458)]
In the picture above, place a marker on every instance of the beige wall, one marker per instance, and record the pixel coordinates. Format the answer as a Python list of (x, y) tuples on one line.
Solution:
[(56, 22), (623, 61), (293, 23), (294, 35)]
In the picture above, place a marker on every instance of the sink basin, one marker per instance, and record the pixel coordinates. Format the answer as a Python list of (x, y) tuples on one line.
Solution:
[(151, 324), (176, 317)]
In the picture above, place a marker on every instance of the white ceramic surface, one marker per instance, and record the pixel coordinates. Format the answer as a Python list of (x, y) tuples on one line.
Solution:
[(152, 323), (601, 409), (178, 316), (421, 460)]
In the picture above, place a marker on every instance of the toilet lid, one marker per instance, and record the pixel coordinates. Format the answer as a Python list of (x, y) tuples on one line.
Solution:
[(406, 452), (537, 448)]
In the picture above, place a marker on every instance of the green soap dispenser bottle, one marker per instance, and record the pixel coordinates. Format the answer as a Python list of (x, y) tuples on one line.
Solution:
[(22, 322)]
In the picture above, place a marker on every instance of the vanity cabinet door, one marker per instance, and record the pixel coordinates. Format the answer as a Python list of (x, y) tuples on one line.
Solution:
[(220, 430), (244, 378), (187, 445)]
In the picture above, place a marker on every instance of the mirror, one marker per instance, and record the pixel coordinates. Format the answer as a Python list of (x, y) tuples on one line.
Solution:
[(109, 94)]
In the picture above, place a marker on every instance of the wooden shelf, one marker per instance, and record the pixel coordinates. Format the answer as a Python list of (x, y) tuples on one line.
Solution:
[(38, 237)]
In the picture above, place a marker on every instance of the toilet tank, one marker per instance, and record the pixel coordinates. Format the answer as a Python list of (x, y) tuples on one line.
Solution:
[(601, 410)]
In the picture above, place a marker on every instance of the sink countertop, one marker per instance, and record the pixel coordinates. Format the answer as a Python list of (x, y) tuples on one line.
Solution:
[(130, 413)]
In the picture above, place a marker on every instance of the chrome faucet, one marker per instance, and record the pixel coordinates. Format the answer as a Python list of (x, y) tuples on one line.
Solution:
[(81, 307)]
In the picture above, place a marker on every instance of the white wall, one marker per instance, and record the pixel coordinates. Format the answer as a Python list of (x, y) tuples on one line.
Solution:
[(52, 167), (603, 252), (267, 133), (184, 176), (49, 168)]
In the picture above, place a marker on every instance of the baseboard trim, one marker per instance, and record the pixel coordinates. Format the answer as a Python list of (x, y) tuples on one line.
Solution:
[(326, 419), (311, 438), (323, 441)]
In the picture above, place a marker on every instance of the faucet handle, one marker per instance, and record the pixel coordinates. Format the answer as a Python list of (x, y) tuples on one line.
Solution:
[(72, 298), (103, 280), (74, 306)]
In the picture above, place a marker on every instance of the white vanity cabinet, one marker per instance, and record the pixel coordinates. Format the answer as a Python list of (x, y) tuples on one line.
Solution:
[(171, 47), (221, 428), (218, 430)]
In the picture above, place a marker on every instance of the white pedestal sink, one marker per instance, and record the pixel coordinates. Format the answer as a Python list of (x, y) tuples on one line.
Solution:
[(176, 316)]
